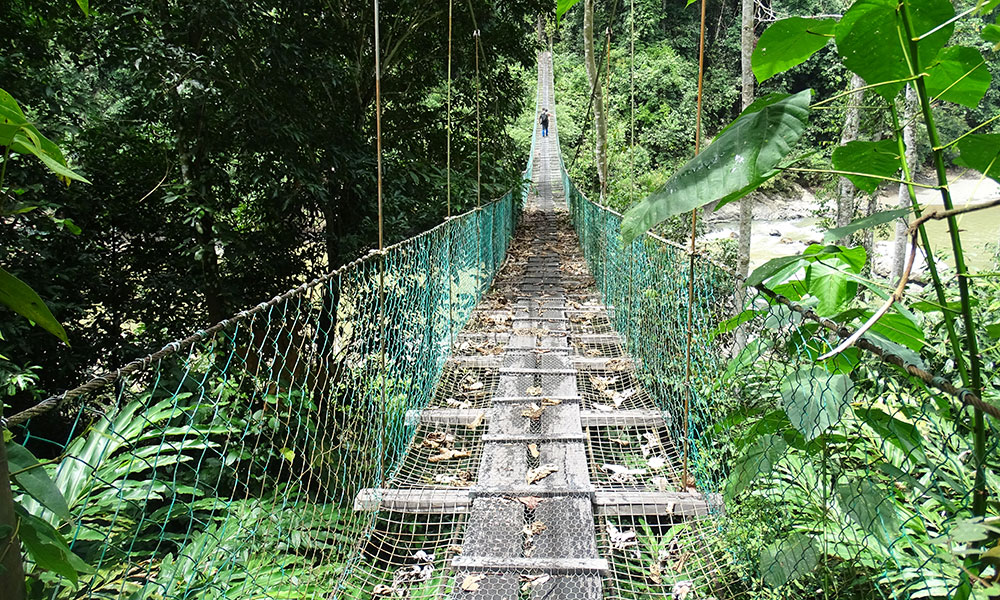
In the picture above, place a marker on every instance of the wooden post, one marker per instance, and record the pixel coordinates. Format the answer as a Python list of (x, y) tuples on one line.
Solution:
[(11, 567)]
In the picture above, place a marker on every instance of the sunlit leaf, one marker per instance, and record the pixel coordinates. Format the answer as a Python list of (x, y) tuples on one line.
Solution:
[(991, 34), (562, 6), (22, 137), (899, 328), (789, 42), (740, 159), (758, 460), (815, 399), (874, 220), (34, 480), (959, 75), (868, 39), (23, 300), (981, 151), (880, 159), (873, 509), (788, 559), (831, 287)]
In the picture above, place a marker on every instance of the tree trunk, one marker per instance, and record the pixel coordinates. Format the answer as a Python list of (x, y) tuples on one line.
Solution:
[(903, 197), (11, 567), (852, 122), (600, 123), (747, 42), (541, 28)]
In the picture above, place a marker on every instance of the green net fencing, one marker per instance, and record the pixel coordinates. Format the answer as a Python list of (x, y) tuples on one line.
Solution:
[(226, 465), (849, 477)]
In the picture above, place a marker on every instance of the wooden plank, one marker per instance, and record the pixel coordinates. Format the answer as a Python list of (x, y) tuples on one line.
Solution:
[(627, 503), (606, 502), (447, 416), (562, 398), (544, 565), (593, 418), (534, 371), (418, 501), (539, 438)]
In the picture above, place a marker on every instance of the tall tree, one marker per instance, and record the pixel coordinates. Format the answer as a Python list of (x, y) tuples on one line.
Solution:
[(748, 40), (902, 195), (849, 133), (600, 120)]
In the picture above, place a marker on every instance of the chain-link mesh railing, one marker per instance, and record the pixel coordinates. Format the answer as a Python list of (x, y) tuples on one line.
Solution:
[(842, 478), (226, 465)]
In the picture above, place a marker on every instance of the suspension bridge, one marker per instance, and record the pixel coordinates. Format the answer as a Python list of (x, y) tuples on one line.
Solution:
[(510, 405)]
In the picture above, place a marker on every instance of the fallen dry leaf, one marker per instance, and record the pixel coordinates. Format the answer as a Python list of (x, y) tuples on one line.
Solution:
[(533, 411), (534, 391), (449, 454), (533, 449), (551, 401), (534, 528), (531, 581), (459, 479), (471, 582), (537, 474), (479, 421), (530, 502), (456, 404)]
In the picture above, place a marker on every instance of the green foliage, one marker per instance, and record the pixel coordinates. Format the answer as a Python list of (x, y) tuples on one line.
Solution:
[(959, 75), (871, 221), (874, 27), (814, 399), (981, 151), (23, 300), (743, 156), (788, 560), (881, 159), (789, 42), (17, 134)]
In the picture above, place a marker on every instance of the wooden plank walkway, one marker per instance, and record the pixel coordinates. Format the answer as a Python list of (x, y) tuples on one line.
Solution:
[(562, 418)]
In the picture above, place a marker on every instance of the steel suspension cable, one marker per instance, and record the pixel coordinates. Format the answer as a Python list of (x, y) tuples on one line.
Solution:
[(691, 252)]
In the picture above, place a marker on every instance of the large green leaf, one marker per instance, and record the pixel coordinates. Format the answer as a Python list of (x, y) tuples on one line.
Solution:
[(873, 509), (981, 151), (815, 399), (22, 137), (831, 286), (759, 459), (959, 75), (788, 559), (880, 159), (991, 34), (562, 6), (23, 300), (868, 39), (47, 548), (34, 480), (740, 159), (873, 220), (778, 270), (900, 329), (789, 42)]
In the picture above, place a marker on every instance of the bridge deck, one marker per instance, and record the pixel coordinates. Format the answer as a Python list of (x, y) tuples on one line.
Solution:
[(566, 451)]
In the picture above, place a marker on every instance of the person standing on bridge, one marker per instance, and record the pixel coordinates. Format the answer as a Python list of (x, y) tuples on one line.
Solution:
[(543, 119)]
